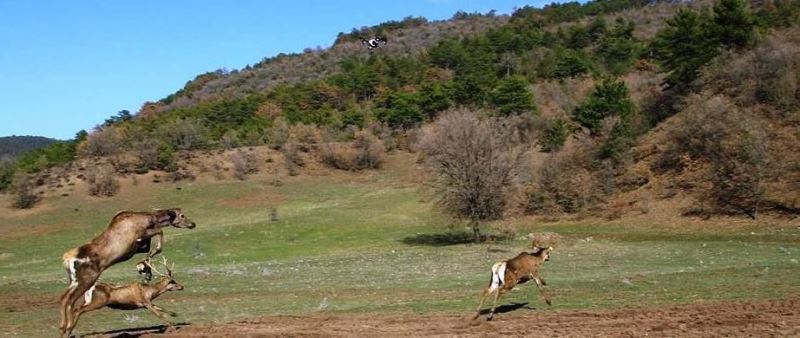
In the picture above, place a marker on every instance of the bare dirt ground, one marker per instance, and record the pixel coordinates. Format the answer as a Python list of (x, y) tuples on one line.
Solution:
[(775, 318)]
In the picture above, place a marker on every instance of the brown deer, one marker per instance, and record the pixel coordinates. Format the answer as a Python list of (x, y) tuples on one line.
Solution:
[(131, 296), (518, 270), (128, 233)]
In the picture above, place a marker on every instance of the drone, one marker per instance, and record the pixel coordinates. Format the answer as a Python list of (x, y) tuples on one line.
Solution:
[(374, 42)]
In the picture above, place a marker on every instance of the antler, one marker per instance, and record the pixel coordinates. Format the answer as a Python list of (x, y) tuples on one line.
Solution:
[(164, 262), (170, 267)]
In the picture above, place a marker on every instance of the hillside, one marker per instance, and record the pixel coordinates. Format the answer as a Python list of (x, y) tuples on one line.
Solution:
[(607, 98), (13, 146)]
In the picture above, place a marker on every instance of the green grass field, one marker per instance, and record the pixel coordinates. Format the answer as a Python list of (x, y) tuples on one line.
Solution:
[(337, 246)]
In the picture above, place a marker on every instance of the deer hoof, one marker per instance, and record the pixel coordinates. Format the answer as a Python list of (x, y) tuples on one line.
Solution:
[(489, 317), (548, 302)]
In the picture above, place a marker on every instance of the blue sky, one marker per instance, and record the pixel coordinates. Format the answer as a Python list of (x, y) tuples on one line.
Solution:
[(67, 65)]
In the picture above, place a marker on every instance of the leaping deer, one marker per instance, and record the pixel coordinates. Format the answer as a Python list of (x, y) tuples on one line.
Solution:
[(131, 296), (128, 233), (518, 270)]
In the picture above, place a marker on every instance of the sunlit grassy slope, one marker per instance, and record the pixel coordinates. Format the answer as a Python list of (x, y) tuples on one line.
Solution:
[(337, 246)]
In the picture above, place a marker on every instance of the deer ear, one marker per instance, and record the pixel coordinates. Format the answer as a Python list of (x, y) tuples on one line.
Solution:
[(172, 215), (162, 216)]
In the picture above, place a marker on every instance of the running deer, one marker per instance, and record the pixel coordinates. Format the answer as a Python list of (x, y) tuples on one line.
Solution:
[(518, 270), (131, 296), (128, 233)]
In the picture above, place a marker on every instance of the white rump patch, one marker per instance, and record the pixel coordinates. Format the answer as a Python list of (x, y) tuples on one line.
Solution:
[(87, 297), (498, 276), (73, 280)]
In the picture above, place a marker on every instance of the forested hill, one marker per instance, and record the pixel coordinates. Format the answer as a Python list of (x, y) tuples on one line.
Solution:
[(622, 95), (426, 67), (12, 146)]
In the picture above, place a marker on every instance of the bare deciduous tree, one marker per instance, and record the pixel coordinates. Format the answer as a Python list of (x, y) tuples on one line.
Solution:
[(475, 161)]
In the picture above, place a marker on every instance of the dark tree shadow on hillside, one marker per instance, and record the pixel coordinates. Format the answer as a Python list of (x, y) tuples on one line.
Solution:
[(508, 308), (450, 238), (136, 331), (442, 239)]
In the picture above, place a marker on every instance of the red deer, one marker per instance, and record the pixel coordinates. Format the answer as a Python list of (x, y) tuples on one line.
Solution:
[(127, 297), (518, 270), (128, 233)]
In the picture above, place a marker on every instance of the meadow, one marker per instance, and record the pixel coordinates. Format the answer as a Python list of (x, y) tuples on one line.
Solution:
[(345, 243)]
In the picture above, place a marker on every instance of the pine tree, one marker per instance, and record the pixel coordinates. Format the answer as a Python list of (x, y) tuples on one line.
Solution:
[(512, 96), (733, 24), (683, 46), (618, 47), (610, 98)]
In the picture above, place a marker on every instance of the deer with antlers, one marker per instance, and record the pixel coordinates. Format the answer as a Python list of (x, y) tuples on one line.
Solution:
[(131, 296), (128, 234), (518, 270)]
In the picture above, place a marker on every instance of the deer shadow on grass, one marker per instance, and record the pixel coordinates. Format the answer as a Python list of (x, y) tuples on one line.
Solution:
[(136, 331), (450, 238), (508, 308)]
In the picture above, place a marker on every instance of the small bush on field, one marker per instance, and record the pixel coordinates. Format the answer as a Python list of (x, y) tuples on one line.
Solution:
[(155, 155), (218, 170), (244, 163), (278, 135), (366, 152), (101, 182), (229, 140), (24, 196), (305, 136), (292, 158), (385, 134), (184, 134), (120, 164)]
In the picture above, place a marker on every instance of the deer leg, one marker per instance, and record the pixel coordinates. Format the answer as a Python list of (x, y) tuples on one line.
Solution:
[(158, 313), (494, 305), (540, 285), (142, 267), (86, 277), (76, 314), (63, 308), (155, 250), (173, 314), (98, 300), (67, 312), (484, 294)]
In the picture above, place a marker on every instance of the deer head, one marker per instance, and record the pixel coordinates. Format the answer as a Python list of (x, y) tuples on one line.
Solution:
[(166, 278), (174, 217)]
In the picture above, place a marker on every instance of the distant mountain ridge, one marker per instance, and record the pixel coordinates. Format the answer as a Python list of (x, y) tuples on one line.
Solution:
[(13, 146)]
